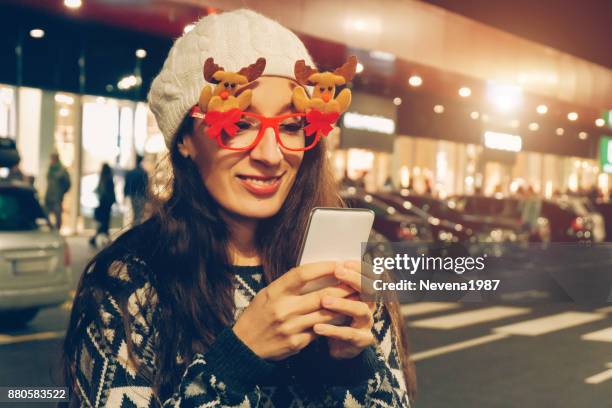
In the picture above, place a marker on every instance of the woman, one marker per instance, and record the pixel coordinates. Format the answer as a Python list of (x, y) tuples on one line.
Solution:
[(201, 305), (106, 199)]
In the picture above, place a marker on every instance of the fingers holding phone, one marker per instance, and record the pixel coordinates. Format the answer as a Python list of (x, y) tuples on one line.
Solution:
[(349, 340), (279, 320)]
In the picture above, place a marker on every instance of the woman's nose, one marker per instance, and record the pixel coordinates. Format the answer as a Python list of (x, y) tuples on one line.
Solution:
[(268, 151)]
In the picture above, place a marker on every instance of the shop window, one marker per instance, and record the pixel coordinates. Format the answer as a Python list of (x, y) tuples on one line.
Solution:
[(7, 111)]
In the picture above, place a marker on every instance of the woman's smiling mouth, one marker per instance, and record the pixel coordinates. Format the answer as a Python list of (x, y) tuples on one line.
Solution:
[(260, 185)]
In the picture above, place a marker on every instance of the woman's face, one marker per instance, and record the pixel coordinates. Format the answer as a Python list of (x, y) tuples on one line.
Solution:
[(252, 183)]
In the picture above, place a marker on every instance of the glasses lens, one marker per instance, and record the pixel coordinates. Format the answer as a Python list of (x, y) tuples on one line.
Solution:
[(292, 135), (244, 136)]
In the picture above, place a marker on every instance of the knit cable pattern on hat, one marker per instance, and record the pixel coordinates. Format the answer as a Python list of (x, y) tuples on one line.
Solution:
[(234, 39)]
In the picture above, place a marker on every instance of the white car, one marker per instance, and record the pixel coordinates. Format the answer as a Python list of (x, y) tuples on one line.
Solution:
[(34, 258)]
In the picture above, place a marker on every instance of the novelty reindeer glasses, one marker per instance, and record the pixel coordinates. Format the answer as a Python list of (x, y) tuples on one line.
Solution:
[(223, 108)]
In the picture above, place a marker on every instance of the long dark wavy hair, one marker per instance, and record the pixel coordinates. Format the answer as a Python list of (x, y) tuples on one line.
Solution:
[(185, 243)]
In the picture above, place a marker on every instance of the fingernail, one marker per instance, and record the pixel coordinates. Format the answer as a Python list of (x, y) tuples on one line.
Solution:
[(328, 301)]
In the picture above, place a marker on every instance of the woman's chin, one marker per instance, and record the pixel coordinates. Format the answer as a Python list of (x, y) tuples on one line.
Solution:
[(254, 207)]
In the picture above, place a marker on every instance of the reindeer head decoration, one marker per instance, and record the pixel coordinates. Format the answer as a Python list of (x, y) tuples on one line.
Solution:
[(227, 83), (222, 98), (325, 82)]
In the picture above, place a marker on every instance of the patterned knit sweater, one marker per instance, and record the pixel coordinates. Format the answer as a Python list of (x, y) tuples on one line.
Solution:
[(228, 374)]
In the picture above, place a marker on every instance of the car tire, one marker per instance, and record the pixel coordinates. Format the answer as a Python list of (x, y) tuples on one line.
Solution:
[(13, 319)]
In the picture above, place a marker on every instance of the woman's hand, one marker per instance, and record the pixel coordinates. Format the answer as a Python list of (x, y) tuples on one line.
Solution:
[(278, 323), (348, 341)]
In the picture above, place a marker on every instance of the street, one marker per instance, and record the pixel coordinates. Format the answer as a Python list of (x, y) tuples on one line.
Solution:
[(467, 355)]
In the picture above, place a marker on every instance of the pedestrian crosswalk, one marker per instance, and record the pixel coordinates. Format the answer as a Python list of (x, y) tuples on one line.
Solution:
[(444, 316), (548, 324), (599, 335), (469, 318)]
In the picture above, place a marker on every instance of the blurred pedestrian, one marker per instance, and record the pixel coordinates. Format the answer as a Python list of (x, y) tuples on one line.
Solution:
[(15, 174), (388, 184), (428, 187), (58, 184), (106, 199), (136, 182), (530, 207)]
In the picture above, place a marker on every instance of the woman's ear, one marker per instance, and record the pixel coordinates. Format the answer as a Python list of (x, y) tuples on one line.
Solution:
[(185, 147)]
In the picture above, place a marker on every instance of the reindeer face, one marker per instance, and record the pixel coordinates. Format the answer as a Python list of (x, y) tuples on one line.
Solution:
[(325, 85), (324, 82), (228, 82)]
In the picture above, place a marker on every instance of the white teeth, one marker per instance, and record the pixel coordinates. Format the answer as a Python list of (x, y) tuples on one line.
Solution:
[(260, 182)]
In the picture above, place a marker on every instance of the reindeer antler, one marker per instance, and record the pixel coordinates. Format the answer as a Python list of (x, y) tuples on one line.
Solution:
[(303, 71), (209, 70), (348, 69), (254, 71)]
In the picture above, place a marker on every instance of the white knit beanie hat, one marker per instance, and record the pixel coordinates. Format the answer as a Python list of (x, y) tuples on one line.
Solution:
[(234, 39)]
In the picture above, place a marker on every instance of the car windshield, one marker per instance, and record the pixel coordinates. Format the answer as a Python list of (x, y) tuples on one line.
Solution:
[(19, 210)]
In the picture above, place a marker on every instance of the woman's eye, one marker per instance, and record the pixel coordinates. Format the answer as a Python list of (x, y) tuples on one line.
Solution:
[(233, 85), (329, 89), (322, 89), (226, 84), (292, 127), (243, 125)]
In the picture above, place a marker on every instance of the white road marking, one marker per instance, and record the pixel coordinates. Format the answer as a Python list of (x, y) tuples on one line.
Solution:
[(600, 335), (547, 324), (67, 305), (422, 308), (22, 338), (469, 318), (457, 346), (600, 377), (607, 309)]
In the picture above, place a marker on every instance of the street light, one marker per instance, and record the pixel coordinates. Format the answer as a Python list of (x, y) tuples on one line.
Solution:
[(141, 53), (465, 92), (37, 33), (415, 80), (542, 109), (504, 97), (73, 4)]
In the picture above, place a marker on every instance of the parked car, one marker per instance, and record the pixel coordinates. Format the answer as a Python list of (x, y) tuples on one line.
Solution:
[(605, 209), (34, 258), (443, 229), (388, 221), (583, 207), (557, 222), (492, 219)]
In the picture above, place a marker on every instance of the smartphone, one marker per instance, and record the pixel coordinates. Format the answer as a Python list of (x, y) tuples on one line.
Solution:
[(334, 234)]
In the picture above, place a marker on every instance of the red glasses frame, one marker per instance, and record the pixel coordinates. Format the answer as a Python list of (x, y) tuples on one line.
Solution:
[(217, 122)]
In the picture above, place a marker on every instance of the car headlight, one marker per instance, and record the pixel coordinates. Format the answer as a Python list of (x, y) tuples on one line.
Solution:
[(446, 236), (498, 235)]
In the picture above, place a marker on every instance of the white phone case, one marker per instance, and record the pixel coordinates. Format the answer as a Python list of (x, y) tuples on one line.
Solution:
[(334, 234)]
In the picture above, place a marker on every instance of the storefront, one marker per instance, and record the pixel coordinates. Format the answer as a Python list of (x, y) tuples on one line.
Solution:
[(363, 147), (86, 131), (458, 168)]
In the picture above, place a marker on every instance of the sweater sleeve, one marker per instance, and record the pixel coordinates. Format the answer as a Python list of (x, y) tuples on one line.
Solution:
[(226, 375), (375, 377)]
